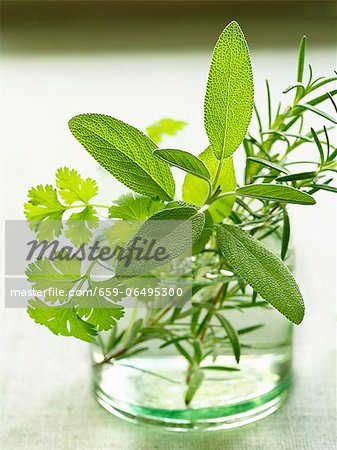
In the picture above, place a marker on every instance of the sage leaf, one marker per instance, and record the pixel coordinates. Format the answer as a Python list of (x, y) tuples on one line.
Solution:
[(125, 152), (229, 93), (185, 161), (200, 243), (263, 270), (174, 229), (195, 190), (276, 192)]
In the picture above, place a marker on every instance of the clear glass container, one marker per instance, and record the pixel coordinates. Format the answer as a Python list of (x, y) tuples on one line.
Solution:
[(150, 387)]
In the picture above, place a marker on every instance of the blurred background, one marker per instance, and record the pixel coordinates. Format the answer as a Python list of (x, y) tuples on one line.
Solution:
[(141, 61)]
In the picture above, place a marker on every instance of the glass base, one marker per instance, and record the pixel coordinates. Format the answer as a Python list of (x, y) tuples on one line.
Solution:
[(219, 418), (224, 401)]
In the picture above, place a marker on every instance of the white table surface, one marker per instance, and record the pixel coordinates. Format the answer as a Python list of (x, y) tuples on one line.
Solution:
[(46, 399)]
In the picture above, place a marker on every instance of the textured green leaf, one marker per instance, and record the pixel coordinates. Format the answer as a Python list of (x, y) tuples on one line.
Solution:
[(276, 192), (163, 127), (196, 190), (262, 270), (200, 243), (62, 320), (185, 161), (230, 92), (232, 336), (125, 152), (175, 229), (134, 207)]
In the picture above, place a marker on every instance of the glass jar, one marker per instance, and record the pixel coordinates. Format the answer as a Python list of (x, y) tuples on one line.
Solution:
[(151, 382)]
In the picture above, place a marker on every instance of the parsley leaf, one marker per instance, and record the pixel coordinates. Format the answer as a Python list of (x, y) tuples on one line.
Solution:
[(134, 207), (44, 211), (45, 274), (170, 127), (73, 187), (96, 309), (80, 225), (62, 320)]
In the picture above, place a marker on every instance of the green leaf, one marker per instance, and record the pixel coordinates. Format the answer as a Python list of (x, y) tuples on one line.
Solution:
[(229, 93), (226, 368), (59, 274), (317, 111), (80, 224), (269, 164), (134, 207), (196, 190), (321, 98), (73, 187), (44, 211), (183, 352), (276, 192), (98, 311), (262, 270), (319, 145), (285, 234), (324, 187), (297, 176), (268, 103), (185, 161), (232, 336), (125, 152), (163, 127), (316, 85), (174, 229), (197, 351), (300, 66), (206, 233), (294, 86), (195, 382), (62, 320)]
